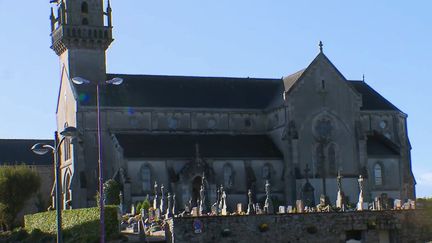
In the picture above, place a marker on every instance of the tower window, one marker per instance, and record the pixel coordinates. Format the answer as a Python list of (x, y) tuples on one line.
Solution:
[(85, 21), (378, 174), (84, 7)]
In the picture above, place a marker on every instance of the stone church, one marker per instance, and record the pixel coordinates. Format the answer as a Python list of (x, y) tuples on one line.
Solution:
[(297, 132)]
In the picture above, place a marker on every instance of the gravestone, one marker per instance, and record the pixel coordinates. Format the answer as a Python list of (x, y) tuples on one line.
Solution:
[(155, 198), (121, 203), (282, 210), (397, 204), (299, 206), (412, 204), (174, 205), (168, 211), (360, 203), (157, 214), (377, 203), (308, 191), (162, 200), (384, 201), (250, 208), (289, 209), (203, 199), (340, 201), (224, 210), (133, 211), (239, 208), (268, 204), (194, 212), (258, 209), (214, 210)]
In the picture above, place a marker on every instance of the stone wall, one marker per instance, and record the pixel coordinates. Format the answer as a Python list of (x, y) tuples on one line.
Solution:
[(366, 226)]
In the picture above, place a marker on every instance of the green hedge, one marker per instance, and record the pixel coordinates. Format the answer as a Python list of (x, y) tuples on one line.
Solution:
[(79, 225)]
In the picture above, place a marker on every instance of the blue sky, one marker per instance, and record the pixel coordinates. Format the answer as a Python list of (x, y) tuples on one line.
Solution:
[(390, 42)]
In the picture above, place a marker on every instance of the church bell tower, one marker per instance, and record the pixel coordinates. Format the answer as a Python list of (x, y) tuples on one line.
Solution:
[(81, 32)]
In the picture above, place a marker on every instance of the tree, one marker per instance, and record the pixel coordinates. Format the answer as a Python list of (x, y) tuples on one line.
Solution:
[(111, 192), (18, 183), (146, 203)]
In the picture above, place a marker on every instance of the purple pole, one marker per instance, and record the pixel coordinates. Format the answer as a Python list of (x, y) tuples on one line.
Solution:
[(101, 193)]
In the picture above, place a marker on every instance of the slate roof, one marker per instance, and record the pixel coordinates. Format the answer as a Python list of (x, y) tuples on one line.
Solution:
[(372, 100), (185, 91), (207, 92), (290, 80), (377, 144), (210, 146), (17, 151)]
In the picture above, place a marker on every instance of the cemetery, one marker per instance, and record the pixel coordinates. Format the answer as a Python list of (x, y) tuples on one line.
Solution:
[(381, 220)]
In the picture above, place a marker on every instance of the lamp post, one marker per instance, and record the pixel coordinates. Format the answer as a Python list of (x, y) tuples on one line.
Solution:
[(114, 81), (41, 149)]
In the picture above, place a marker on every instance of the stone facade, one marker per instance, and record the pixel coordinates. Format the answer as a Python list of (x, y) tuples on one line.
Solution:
[(373, 226), (239, 132)]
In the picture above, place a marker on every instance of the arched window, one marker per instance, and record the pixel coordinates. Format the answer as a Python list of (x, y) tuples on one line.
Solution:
[(228, 178), (378, 173), (84, 7), (67, 192), (145, 178), (66, 146)]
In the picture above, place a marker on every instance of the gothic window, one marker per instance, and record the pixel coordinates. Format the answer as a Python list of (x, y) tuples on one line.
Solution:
[(228, 178), (331, 153), (266, 172), (323, 129), (66, 146), (145, 178), (67, 192), (84, 7), (378, 174)]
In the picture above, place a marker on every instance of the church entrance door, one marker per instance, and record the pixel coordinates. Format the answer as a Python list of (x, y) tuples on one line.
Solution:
[(196, 186)]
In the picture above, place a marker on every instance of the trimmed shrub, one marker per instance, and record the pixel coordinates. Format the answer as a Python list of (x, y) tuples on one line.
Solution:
[(79, 225), (18, 183), (111, 192)]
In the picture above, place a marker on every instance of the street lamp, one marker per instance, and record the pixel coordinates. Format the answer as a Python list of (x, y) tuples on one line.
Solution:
[(114, 81), (41, 149)]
